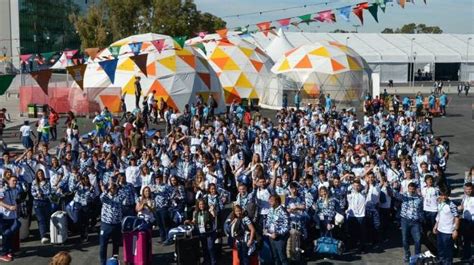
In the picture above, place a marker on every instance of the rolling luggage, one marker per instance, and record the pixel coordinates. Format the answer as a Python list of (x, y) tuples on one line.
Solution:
[(187, 250), (137, 248), (58, 227), (293, 247)]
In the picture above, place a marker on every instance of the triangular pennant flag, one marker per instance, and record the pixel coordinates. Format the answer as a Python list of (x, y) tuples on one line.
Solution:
[(159, 44), (180, 40), (24, 58), (201, 46), (136, 47), (202, 34), (70, 53), (373, 10), (91, 52), (304, 63), (363, 5), (42, 78), (284, 22), (326, 16), (5, 82), (305, 18), (140, 62), (222, 33), (345, 12), (77, 73), (381, 4), (47, 55), (424, 1), (359, 12), (401, 3), (264, 27), (109, 67), (115, 51)]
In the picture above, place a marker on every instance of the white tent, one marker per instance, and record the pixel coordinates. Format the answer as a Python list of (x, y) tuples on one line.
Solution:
[(279, 46), (62, 62)]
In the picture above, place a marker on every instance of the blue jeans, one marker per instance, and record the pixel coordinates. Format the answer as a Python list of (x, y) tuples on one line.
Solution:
[(9, 228), (445, 248), (467, 233), (412, 228), (208, 249), (162, 218), (279, 250), (43, 214), (243, 250), (108, 231), (430, 220)]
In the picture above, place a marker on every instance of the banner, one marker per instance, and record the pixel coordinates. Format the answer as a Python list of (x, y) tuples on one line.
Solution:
[(373, 11), (77, 73), (115, 51), (180, 40), (285, 22), (109, 67), (42, 78), (345, 12), (359, 12), (136, 47), (92, 52), (140, 61), (159, 44), (70, 53), (5, 82), (326, 16)]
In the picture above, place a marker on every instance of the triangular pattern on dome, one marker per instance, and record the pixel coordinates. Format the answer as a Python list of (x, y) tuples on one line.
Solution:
[(336, 66), (206, 79), (151, 69), (311, 89), (183, 52), (161, 93), (230, 65), (257, 65), (290, 52), (231, 94), (247, 51), (169, 62), (112, 102), (243, 81), (285, 65), (321, 51), (304, 63), (225, 42), (145, 45), (353, 64), (189, 59), (127, 65), (253, 94), (129, 88), (220, 62), (218, 53)]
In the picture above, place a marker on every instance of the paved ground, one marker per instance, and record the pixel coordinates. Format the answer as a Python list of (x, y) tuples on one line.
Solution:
[(457, 128)]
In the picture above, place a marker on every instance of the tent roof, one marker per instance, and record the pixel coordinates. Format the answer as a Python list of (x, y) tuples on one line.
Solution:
[(388, 48), (279, 45)]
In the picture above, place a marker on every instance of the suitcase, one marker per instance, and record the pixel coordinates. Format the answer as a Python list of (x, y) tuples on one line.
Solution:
[(137, 248), (58, 227), (187, 250), (293, 247), (24, 228)]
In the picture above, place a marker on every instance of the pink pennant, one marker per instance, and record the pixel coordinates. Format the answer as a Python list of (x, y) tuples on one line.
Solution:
[(363, 5), (70, 53), (202, 34), (24, 57), (159, 44), (284, 22), (326, 16), (264, 27)]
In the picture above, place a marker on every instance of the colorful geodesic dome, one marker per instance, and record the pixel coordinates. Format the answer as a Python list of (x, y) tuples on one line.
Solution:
[(176, 74), (242, 67), (324, 67)]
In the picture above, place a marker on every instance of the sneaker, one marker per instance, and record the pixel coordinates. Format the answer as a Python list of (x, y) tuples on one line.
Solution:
[(5, 258), (44, 240), (10, 255)]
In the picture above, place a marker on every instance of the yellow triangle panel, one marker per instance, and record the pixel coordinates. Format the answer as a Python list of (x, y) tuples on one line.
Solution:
[(353, 64), (243, 81), (320, 52), (253, 94), (129, 88), (218, 53), (127, 65), (169, 62), (284, 66), (247, 51), (230, 65)]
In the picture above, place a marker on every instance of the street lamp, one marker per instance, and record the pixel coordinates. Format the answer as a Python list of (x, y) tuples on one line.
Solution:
[(467, 50), (347, 40), (411, 60), (414, 69)]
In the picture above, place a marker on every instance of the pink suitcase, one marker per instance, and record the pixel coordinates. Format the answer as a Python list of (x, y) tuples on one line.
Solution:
[(137, 247)]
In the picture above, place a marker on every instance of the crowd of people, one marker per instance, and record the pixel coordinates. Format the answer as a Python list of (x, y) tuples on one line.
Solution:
[(317, 169)]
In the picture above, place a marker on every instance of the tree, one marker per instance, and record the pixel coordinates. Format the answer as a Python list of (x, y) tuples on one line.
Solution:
[(413, 28), (387, 30), (339, 31), (122, 18)]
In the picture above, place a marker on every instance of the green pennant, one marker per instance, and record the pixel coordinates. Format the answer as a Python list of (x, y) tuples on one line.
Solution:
[(115, 51), (381, 4), (180, 40), (5, 82), (47, 55), (201, 46), (306, 18), (373, 10)]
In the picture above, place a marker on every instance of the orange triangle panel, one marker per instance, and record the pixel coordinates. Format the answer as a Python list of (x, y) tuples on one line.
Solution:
[(112, 102), (220, 62), (258, 65), (151, 69), (290, 51), (189, 59), (206, 78), (230, 95), (304, 63), (336, 66)]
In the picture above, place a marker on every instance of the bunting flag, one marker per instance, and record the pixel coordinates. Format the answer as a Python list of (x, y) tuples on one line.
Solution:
[(363, 5), (222, 33), (115, 51), (47, 55), (373, 10), (5, 82), (201, 46), (424, 1), (92, 52), (109, 67), (359, 12), (285, 22), (202, 34), (25, 57), (306, 18), (180, 40), (42, 77), (136, 47), (401, 3), (159, 44), (381, 4), (345, 12), (325, 16), (77, 73), (264, 27), (70, 53), (140, 61)]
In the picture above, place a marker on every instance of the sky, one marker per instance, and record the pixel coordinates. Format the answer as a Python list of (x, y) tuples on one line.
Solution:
[(452, 16)]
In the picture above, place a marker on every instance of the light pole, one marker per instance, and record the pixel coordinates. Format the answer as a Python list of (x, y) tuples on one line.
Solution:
[(356, 26), (467, 58), (347, 40), (414, 69), (411, 61)]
